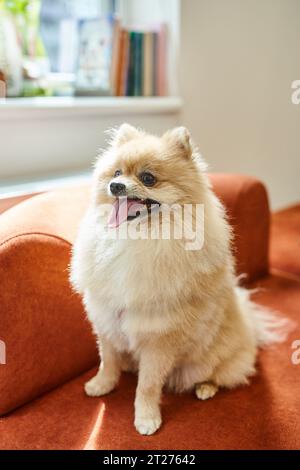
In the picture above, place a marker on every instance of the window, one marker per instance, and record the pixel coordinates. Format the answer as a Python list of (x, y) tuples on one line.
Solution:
[(87, 47)]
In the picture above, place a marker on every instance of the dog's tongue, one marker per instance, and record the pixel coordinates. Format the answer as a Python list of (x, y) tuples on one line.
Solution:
[(120, 210)]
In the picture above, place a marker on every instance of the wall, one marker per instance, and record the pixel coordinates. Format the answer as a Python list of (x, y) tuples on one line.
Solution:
[(41, 138), (238, 60)]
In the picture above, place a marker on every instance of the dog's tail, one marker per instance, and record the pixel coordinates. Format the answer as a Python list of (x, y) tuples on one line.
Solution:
[(269, 327)]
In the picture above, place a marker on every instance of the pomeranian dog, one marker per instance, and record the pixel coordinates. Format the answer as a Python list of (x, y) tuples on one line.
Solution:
[(174, 315)]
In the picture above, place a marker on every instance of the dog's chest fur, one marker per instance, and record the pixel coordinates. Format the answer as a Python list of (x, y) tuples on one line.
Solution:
[(130, 287)]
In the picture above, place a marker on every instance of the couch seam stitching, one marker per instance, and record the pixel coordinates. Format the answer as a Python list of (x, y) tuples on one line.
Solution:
[(49, 235)]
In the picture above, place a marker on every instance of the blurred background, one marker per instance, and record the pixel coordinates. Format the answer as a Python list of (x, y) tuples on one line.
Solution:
[(83, 48), (224, 68)]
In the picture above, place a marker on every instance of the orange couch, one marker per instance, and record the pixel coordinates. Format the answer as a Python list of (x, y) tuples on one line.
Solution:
[(50, 350)]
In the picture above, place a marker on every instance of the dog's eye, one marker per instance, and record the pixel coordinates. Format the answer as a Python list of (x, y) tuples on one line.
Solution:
[(117, 173), (147, 179)]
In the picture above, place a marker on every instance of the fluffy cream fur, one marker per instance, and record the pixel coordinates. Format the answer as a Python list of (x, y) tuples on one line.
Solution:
[(177, 317)]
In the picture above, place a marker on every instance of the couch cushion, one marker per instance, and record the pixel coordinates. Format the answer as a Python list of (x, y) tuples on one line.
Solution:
[(246, 201), (48, 339), (264, 415), (285, 240)]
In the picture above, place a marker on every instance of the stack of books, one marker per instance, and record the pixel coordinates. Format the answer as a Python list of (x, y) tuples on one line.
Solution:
[(108, 59), (138, 65)]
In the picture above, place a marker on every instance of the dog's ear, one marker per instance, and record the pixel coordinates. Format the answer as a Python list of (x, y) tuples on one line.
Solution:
[(180, 137), (125, 133)]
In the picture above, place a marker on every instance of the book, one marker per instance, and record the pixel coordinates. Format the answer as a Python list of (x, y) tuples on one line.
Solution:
[(125, 63), (148, 64), (119, 68), (154, 63), (138, 64), (115, 61), (131, 65), (161, 85)]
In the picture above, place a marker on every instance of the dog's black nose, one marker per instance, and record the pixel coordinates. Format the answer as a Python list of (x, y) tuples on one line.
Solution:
[(118, 189)]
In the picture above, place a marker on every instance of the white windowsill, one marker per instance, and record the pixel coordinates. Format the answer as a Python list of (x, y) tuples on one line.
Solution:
[(20, 108), (45, 136), (39, 185)]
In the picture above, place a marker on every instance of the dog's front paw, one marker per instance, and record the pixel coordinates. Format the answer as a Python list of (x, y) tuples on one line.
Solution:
[(147, 426), (99, 385)]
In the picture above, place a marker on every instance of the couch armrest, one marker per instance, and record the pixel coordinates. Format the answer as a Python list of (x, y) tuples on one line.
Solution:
[(246, 201), (48, 340)]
